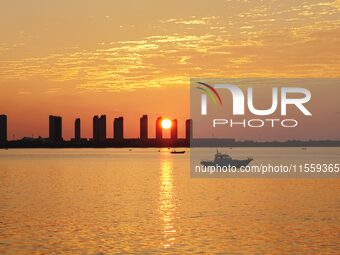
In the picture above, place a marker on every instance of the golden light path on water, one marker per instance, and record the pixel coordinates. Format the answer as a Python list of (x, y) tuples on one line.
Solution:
[(166, 203)]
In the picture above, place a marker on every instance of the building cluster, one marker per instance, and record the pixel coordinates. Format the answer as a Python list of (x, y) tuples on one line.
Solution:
[(100, 139), (99, 135), (100, 132)]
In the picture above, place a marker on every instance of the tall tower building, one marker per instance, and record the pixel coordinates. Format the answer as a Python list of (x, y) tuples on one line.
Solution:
[(159, 129), (99, 129), (3, 128), (188, 129), (144, 128), (55, 128), (174, 130), (95, 135), (102, 129), (118, 129), (77, 134)]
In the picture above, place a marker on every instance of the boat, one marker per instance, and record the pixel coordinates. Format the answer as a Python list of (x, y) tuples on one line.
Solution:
[(177, 152), (222, 159)]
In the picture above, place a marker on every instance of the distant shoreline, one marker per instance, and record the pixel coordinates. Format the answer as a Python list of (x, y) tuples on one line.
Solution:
[(164, 143)]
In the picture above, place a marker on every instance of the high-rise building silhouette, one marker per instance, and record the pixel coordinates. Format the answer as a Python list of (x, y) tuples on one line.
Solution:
[(159, 129), (144, 128), (77, 134), (99, 129), (118, 129), (188, 129), (174, 130), (102, 129), (95, 135), (3, 128), (55, 128)]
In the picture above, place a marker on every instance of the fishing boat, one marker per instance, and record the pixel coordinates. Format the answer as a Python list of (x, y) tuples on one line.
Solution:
[(222, 159), (177, 152)]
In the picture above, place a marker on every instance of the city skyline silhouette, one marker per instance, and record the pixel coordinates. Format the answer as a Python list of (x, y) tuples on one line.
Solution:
[(99, 131), (100, 139)]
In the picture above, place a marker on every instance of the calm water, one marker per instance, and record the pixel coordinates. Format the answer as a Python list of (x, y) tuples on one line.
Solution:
[(116, 201)]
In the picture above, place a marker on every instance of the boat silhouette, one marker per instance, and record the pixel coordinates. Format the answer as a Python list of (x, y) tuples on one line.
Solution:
[(222, 159), (177, 152)]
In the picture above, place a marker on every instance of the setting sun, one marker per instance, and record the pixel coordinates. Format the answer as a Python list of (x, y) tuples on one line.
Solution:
[(166, 123)]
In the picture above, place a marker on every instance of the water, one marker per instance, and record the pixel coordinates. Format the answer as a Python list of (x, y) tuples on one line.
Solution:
[(116, 201)]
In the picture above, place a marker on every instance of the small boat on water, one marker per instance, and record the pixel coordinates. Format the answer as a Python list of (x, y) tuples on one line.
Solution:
[(222, 159), (177, 152)]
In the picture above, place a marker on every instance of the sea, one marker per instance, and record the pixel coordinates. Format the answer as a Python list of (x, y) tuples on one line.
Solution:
[(144, 201)]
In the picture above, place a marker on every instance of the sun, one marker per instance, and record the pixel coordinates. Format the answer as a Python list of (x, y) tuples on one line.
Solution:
[(166, 123)]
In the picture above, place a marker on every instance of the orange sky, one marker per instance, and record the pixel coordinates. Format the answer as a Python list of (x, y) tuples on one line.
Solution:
[(80, 58)]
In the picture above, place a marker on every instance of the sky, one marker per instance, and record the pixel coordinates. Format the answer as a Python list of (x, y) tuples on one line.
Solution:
[(127, 58)]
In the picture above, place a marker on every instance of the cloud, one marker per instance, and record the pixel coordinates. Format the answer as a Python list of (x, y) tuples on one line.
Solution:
[(193, 20), (276, 41)]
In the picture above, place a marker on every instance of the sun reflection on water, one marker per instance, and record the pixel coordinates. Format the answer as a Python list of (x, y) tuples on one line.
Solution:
[(167, 204)]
